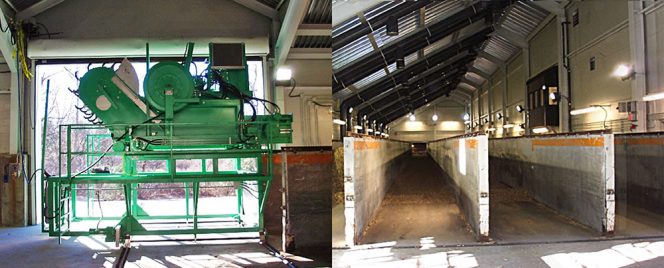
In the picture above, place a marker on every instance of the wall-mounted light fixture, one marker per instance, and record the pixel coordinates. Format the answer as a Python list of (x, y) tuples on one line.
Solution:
[(654, 97), (466, 117), (590, 109), (624, 72), (434, 117), (540, 130), (339, 121), (350, 110), (519, 108), (284, 77), (284, 74)]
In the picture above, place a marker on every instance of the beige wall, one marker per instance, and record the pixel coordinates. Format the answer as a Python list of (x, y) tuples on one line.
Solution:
[(450, 123), (655, 66), (602, 33), (600, 87), (312, 124), (595, 18), (544, 48), (516, 86), (4, 122)]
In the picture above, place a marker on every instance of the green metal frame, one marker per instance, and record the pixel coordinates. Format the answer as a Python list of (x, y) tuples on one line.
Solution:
[(61, 191), (184, 132)]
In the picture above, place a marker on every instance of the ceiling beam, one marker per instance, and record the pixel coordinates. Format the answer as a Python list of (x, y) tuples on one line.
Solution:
[(467, 86), (470, 82), (258, 7), (295, 13), (394, 9), (512, 37), (472, 69), (6, 47), (37, 9), (315, 29), (310, 54), (554, 7), (490, 57), (412, 42), (465, 92)]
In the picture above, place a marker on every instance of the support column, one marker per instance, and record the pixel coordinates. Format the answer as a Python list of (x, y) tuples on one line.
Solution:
[(563, 72), (638, 50), (526, 103), (503, 67)]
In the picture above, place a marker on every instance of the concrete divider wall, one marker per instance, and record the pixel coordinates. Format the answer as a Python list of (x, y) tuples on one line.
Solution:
[(370, 166), (465, 160), (640, 170), (571, 173), (298, 208)]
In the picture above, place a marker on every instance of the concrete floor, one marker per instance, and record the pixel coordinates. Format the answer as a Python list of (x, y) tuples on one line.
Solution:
[(419, 208), (634, 221), (515, 217), (605, 254), (28, 247)]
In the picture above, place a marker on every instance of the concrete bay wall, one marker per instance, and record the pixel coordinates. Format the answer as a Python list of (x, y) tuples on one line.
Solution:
[(465, 160), (639, 169), (370, 166), (571, 173), (302, 185)]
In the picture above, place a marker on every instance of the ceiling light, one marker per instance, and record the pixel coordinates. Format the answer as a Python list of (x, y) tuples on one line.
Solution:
[(540, 130), (284, 74), (369, 130), (508, 125), (411, 117), (434, 117), (350, 110), (519, 108), (491, 129), (466, 117), (543, 87), (339, 122), (653, 97), (585, 110), (358, 127)]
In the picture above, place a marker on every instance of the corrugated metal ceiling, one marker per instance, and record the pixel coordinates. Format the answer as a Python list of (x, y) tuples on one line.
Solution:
[(521, 19)]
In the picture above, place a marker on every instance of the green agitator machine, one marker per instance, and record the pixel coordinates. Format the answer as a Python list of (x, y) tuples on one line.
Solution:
[(206, 118)]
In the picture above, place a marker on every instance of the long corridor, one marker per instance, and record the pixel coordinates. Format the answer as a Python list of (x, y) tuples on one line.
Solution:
[(420, 208)]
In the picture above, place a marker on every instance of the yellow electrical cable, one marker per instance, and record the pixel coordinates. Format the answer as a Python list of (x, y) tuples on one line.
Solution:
[(20, 47)]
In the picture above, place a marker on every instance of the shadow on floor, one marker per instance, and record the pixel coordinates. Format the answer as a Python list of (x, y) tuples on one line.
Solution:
[(28, 247)]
